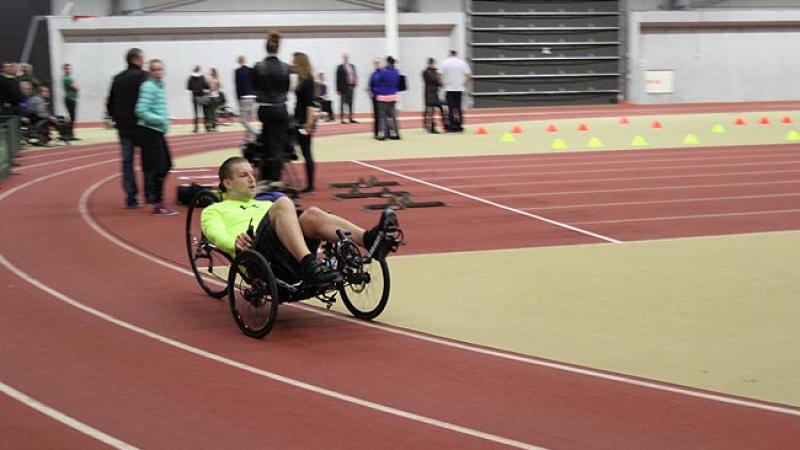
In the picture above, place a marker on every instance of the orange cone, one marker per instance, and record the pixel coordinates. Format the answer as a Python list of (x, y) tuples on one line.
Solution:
[(517, 129), (481, 130), (786, 119), (656, 124), (624, 121), (583, 127), (764, 121), (552, 128), (739, 121)]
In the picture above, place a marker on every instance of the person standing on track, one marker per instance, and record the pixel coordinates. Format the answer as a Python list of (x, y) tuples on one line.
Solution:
[(346, 80), (246, 95), (305, 113), (151, 109), (70, 100), (120, 105), (455, 75), (271, 83)]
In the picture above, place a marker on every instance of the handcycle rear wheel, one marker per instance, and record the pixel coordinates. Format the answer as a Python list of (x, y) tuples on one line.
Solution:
[(253, 294), (209, 264), (367, 299)]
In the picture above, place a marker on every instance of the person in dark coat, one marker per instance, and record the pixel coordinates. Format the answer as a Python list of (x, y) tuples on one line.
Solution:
[(433, 81), (121, 104), (198, 86), (271, 82)]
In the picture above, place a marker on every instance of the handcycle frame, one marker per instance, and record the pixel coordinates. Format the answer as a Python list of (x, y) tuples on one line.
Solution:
[(253, 289)]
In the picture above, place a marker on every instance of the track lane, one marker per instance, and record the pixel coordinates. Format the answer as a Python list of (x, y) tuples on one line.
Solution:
[(299, 329)]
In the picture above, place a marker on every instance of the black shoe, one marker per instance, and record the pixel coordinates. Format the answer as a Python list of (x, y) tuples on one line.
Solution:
[(353, 121), (385, 237), (381, 138), (395, 138), (307, 190), (318, 274)]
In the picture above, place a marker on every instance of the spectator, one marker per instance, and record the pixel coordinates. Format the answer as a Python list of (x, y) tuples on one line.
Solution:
[(271, 82), (246, 95), (26, 94), (346, 80), (70, 100), (385, 88), (304, 113), (433, 80), (27, 75), (214, 100), (197, 85), (378, 65), (10, 95), (325, 103), (153, 121), (121, 105), (42, 119), (455, 75)]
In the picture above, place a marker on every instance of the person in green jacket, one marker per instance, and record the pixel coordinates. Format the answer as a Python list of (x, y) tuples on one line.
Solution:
[(153, 122), (287, 240), (70, 100)]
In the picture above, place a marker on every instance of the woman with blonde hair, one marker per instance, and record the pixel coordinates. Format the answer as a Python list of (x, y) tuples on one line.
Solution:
[(305, 112)]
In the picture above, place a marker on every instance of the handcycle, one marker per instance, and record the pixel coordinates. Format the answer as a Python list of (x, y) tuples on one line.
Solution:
[(254, 292)]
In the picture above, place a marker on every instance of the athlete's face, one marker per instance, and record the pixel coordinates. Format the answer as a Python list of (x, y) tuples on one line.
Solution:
[(242, 184)]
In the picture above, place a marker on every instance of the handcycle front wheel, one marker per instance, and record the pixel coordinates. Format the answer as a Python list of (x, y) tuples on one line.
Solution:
[(209, 264), (366, 293), (253, 294)]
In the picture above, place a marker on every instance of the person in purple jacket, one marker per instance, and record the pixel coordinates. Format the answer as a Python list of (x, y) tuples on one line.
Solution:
[(385, 87)]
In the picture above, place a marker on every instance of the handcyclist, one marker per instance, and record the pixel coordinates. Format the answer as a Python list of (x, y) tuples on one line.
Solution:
[(274, 229)]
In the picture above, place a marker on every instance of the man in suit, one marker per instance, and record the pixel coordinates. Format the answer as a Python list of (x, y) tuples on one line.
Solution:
[(345, 85)]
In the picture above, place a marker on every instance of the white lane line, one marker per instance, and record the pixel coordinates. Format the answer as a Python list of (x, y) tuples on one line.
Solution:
[(57, 161), (265, 373), (198, 177), (65, 419), (708, 153), (491, 203), (696, 216), (658, 202), (592, 180), (568, 163), (658, 188)]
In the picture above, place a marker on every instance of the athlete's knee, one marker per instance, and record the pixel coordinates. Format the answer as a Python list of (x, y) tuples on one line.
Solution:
[(313, 215)]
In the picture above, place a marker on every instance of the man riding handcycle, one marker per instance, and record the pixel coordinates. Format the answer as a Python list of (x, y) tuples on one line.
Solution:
[(273, 252)]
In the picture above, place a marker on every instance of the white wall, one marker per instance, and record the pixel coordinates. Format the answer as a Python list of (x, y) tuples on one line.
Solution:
[(716, 55), (96, 49)]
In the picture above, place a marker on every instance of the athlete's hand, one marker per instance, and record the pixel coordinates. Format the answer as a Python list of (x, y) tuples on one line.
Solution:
[(243, 242)]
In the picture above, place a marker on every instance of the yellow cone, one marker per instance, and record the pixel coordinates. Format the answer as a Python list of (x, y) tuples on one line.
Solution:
[(594, 143), (793, 136), (639, 141), (507, 137), (718, 128), (691, 139), (559, 144)]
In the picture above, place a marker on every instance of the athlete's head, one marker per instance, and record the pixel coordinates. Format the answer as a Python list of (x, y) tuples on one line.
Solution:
[(236, 179)]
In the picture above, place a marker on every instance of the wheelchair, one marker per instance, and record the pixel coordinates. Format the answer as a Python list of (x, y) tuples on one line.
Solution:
[(254, 292)]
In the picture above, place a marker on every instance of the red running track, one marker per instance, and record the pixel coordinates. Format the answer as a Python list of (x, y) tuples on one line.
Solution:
[(137, 385)]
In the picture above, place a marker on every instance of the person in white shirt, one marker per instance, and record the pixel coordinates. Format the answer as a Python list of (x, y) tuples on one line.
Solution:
[(455, 75)]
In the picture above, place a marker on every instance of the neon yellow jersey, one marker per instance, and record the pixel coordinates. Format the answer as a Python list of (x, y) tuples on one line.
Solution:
[(222, 222)]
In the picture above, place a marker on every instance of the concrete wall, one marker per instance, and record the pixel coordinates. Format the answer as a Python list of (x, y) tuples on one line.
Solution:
[(96, 48), (716, 55)]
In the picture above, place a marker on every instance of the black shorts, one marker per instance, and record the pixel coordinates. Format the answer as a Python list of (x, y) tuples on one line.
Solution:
[(282, 263)]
